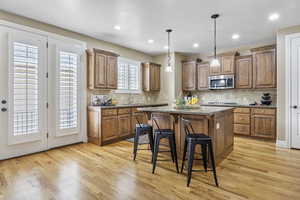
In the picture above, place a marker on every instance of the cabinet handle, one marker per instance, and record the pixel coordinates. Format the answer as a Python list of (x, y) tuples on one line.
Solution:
[(3, 109), (295, 107)]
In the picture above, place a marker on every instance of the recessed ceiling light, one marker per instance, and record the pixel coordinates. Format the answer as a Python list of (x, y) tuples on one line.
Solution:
[(166, 47), (195, 45), (235, 36), (117, 27), (150, 41), (274, 16)]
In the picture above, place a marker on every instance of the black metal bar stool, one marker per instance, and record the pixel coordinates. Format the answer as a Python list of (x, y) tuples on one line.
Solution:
[(142, 129), (158, 135), (191, 140)]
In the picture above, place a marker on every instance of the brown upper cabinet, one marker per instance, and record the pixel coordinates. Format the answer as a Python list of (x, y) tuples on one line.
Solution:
[(227, 61), (151, 77), (243, 69), (264, 67), (202, 75), (102, 69), (189, 75)]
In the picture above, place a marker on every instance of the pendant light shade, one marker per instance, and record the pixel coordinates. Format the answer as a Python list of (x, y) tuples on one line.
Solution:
[(169, 65), (215, 62)]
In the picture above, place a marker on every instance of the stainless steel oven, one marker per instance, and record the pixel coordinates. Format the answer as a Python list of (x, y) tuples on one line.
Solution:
[(221, 82)]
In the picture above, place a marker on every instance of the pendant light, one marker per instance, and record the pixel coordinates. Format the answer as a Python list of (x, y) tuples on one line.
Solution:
[(215, 62), (169, 66)]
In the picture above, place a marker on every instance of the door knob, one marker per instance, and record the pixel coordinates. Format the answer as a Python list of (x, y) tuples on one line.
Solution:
[(3, 109), (295, 106)]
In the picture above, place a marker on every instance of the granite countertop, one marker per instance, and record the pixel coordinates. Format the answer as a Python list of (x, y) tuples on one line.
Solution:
[(241, 105), (203, 110), (130, 105)]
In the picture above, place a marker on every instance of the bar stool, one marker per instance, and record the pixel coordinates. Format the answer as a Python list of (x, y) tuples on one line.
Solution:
[(191, 140), (142, 129), (158, 135)]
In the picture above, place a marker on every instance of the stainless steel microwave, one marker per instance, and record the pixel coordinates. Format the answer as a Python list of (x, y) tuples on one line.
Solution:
[(221, 82)]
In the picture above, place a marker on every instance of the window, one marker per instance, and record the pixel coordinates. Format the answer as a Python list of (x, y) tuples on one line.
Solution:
[(68, 86), (25, 89), (128, 76)]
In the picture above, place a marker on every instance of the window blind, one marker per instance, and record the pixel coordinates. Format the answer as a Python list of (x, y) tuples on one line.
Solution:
[(68, 84), (25, 89), (128, 75)]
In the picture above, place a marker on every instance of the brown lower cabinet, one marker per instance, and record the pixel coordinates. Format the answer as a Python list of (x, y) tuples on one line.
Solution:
[(255, 122), (112, 124)]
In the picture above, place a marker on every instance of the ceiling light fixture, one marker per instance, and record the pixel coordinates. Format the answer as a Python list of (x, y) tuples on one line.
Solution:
[(117, 27), (235, 36), (195, 45), (215, 62), (169, 66), (166, 47), (274, 17), (150, 41)]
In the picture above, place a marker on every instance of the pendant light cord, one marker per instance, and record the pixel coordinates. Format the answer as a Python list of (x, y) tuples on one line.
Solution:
[(215, 38), (169, 56)]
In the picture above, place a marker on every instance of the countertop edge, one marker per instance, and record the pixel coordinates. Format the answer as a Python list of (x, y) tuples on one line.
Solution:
[(128, 106), (240, 105)]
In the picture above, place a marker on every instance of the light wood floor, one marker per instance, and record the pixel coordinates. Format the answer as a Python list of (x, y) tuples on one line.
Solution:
[(254, 170)]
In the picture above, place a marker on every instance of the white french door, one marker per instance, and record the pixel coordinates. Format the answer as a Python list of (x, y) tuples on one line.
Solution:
[(23, 93), (40, 92), (64, 93), (295, 92)]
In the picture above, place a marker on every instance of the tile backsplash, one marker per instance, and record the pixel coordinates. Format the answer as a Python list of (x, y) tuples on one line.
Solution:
[(240, 96), (125, 98)]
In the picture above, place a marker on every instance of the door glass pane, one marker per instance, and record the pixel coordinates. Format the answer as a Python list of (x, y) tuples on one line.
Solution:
[(25, 89), (68, 84)]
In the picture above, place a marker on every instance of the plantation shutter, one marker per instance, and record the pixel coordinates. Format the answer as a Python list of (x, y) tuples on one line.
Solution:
[(25, 89), (68, 91), (133, 77), (128, 75), (122, 76)]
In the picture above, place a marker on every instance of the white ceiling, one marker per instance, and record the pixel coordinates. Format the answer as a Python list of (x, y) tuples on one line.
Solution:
[(141, 20)]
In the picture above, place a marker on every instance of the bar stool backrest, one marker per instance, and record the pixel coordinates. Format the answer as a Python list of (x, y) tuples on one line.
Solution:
[(188, 128), (138, 121), (156, 124)]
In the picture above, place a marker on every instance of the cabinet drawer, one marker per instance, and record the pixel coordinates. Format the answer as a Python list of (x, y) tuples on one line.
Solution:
[(122, 111), (241, 110), (241, 129), (109, 112), (240, 118), (262, 111)]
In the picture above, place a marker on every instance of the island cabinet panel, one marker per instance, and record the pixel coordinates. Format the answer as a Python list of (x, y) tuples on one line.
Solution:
[(227, 63), (151, 77), (102, 69), (124, 125), (202, 75), (189, 76), (228, 127), (109, 126), (164, 121), (219, 135), (264, 68), (244, 72)]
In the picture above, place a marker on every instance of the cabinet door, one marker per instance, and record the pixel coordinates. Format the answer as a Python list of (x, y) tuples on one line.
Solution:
[(112, 72), (100, 71), (189, 76), (124, 125), (220, 137), (264, 69), (157, 78), (154, 77), (215, 70), (263, 126), (227, 64), (202, 74), (109, 128), (244, 72), (228, 127)]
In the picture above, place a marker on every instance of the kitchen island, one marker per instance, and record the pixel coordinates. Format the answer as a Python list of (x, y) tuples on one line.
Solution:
[(217, 122)]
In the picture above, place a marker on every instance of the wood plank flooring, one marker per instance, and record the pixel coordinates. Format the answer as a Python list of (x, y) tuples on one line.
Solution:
[(254, 170)]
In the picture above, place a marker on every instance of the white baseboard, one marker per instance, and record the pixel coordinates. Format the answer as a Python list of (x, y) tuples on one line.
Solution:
[(282, 144)]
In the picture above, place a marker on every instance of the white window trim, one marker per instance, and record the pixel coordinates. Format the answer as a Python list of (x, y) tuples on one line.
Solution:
[(139, 90)]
